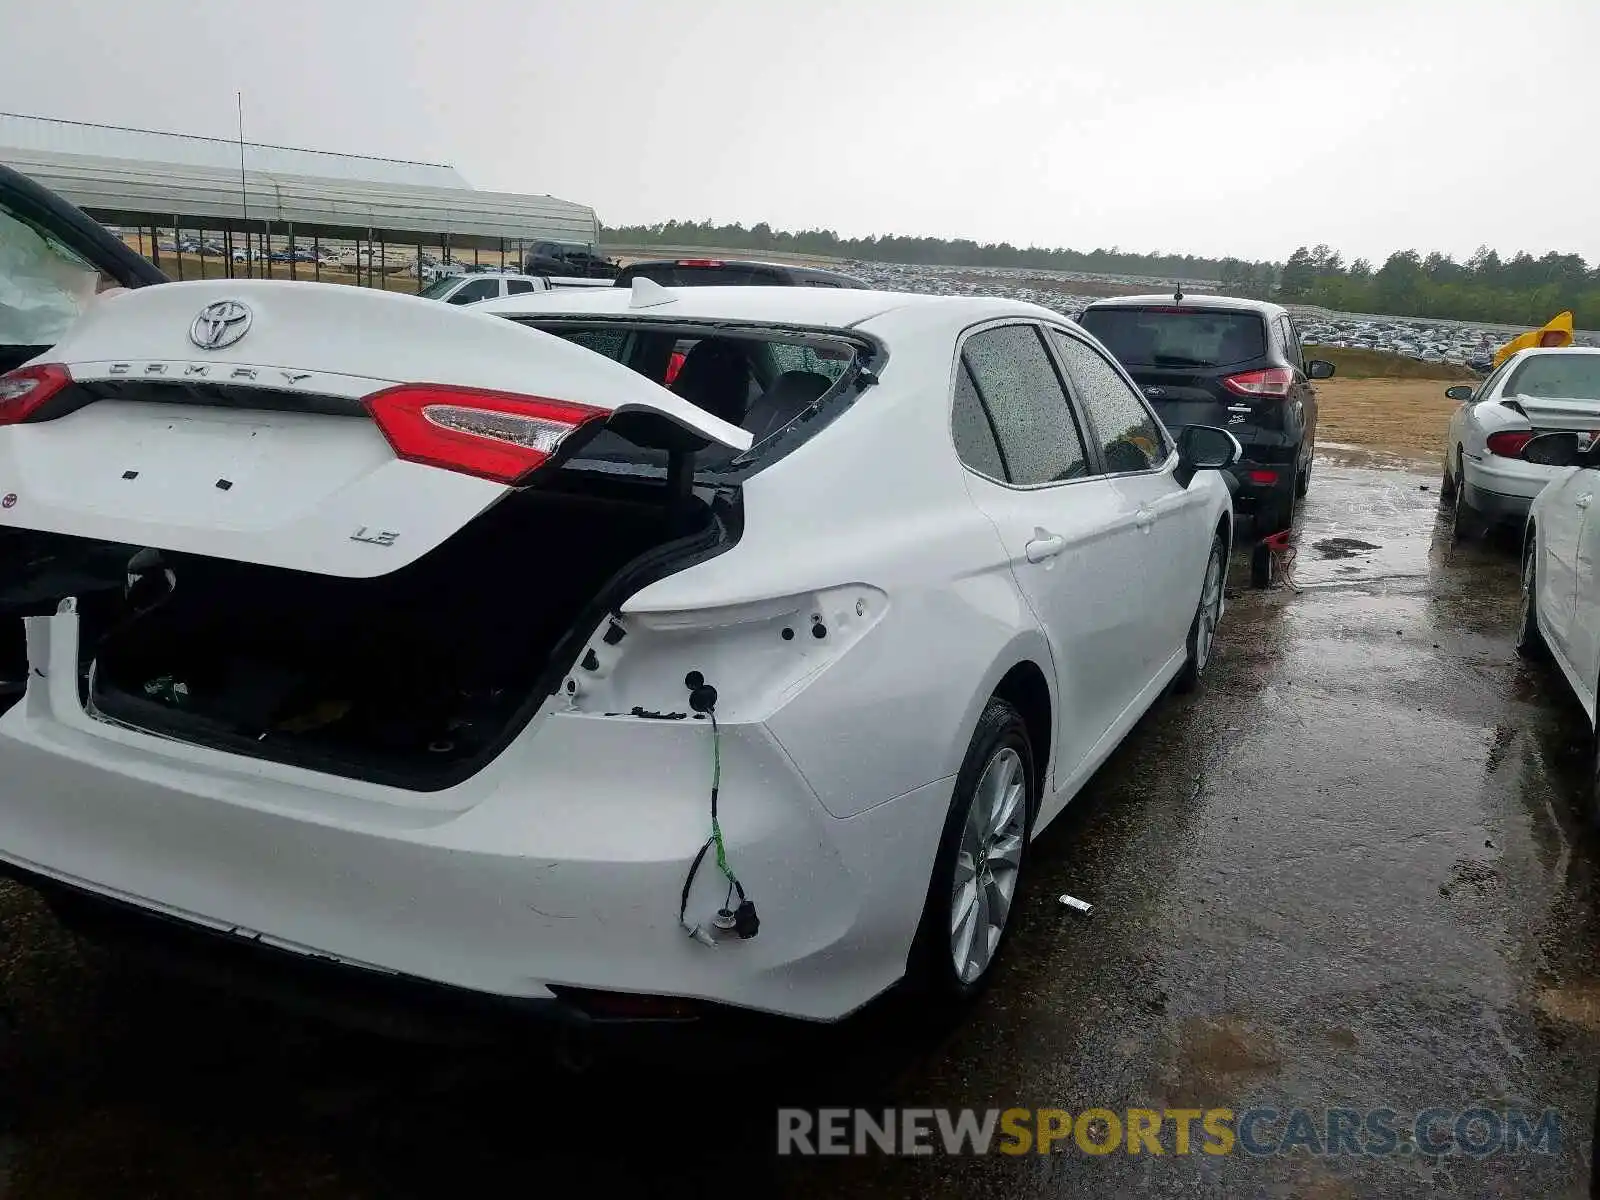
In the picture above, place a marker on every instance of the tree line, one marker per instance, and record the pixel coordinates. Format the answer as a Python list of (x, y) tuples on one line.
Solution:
[(920, 251), (1521, 290)]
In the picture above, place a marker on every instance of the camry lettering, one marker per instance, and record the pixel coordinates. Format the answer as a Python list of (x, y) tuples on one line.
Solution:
[(155, 368), (120, 368), (196, 369), (243, 373), (295, 376)]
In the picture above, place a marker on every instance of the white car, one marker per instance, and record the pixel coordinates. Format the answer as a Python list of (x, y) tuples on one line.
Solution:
[(1486, 479), (455, 648), (491, 285), (1560, 616)]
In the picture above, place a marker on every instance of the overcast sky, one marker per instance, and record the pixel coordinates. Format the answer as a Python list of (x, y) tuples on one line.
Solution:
[(1240, 127)]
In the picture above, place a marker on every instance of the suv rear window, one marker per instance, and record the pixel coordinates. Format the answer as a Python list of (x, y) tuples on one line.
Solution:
[(680, 275), (1173, 337)]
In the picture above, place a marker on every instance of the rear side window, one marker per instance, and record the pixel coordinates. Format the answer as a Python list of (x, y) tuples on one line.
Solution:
[(476, 289), (972, 430), (1023, 397), (1177, 337), (1130, 438), (515, 287)]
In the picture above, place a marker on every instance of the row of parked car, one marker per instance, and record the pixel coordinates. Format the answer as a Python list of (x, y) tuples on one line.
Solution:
[(353, 621)]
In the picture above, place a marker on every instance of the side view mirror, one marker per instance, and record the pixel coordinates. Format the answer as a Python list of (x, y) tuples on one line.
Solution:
[(1556, 450), (1319, 368), (1205, 448), (1460, 392)]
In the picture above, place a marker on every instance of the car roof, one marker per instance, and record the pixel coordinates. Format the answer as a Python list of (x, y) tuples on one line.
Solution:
[(836, 308), (1204, 300)]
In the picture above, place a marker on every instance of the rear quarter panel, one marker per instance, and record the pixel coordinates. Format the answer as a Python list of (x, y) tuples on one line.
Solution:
[(878, 498)]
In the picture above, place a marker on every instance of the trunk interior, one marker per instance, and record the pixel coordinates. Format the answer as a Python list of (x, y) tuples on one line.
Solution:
[(415, 678)]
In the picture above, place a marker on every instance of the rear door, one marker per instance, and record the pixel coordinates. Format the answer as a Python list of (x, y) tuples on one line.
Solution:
[(1179, 355), (1068, 534), (1173, 541), (1302, 393), (342, 431)]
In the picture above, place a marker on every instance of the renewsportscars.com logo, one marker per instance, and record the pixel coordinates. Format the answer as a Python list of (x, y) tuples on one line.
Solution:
[(1477, 1132)]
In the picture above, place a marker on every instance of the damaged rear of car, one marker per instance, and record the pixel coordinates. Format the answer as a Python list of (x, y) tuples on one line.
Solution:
[(325, 599)]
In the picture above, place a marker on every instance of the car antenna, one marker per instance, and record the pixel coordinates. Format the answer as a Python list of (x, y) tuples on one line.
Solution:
[(1177, 292)]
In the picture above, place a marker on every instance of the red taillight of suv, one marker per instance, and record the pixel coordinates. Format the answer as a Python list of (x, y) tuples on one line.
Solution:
[(493, 435), (1509, 444), (26, 390), (1273, 382)]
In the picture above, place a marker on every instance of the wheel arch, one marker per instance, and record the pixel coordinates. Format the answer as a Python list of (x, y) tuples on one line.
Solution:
[(1022, 674)]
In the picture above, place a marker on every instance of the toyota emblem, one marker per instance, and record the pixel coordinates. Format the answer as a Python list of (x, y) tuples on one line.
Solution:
[(220, 324), (1155, 393), (9, 501)]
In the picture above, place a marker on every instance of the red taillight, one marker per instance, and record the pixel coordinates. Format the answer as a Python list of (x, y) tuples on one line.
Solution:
[(1509, 445), (674, 365), (700, 262), (26, 390), (494, 435), (1274, 382), (1262, 476)]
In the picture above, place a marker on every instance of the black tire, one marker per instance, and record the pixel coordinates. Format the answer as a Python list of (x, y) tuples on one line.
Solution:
[(1302, 481), (1530, 642), (1275, 511), (1188, 679), (1466, 523), (932, 971), (1261, 573), (1447, 487)]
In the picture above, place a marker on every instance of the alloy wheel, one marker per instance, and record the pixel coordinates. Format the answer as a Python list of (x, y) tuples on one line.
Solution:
[(1210, 610), (988, 863)]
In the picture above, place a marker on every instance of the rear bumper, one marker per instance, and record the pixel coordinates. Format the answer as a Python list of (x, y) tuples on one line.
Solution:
[(1250, 493), (1497, 506), (561, 864), (397, 1006)]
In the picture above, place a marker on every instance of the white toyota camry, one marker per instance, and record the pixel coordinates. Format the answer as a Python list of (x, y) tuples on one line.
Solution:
[(1487, 479), (456, 646)]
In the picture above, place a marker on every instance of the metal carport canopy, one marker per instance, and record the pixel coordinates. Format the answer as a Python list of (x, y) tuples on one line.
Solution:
[(123, 191)]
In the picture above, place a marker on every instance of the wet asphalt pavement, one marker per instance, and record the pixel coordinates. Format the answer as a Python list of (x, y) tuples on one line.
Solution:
[(1350, 873)]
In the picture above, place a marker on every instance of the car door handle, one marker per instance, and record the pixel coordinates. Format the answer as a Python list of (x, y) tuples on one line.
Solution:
[(1583, 501), (1044, 545), (1144, 518)]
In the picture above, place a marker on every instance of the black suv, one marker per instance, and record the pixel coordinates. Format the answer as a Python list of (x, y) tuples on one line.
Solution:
[(571, 261), (1219, 360), (724, 272)]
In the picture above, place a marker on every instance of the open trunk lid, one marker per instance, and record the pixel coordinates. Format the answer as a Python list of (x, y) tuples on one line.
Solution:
[(336, 430)]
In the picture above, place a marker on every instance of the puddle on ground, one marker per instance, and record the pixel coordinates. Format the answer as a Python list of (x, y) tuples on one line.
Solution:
[(1342, 547)]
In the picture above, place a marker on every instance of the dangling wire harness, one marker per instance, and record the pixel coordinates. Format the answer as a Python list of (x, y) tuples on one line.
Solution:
[(742, 919)]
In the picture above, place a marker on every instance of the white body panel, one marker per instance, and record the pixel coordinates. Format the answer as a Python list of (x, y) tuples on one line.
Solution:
[(301, 484), (1566, 529), (560, 862)]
